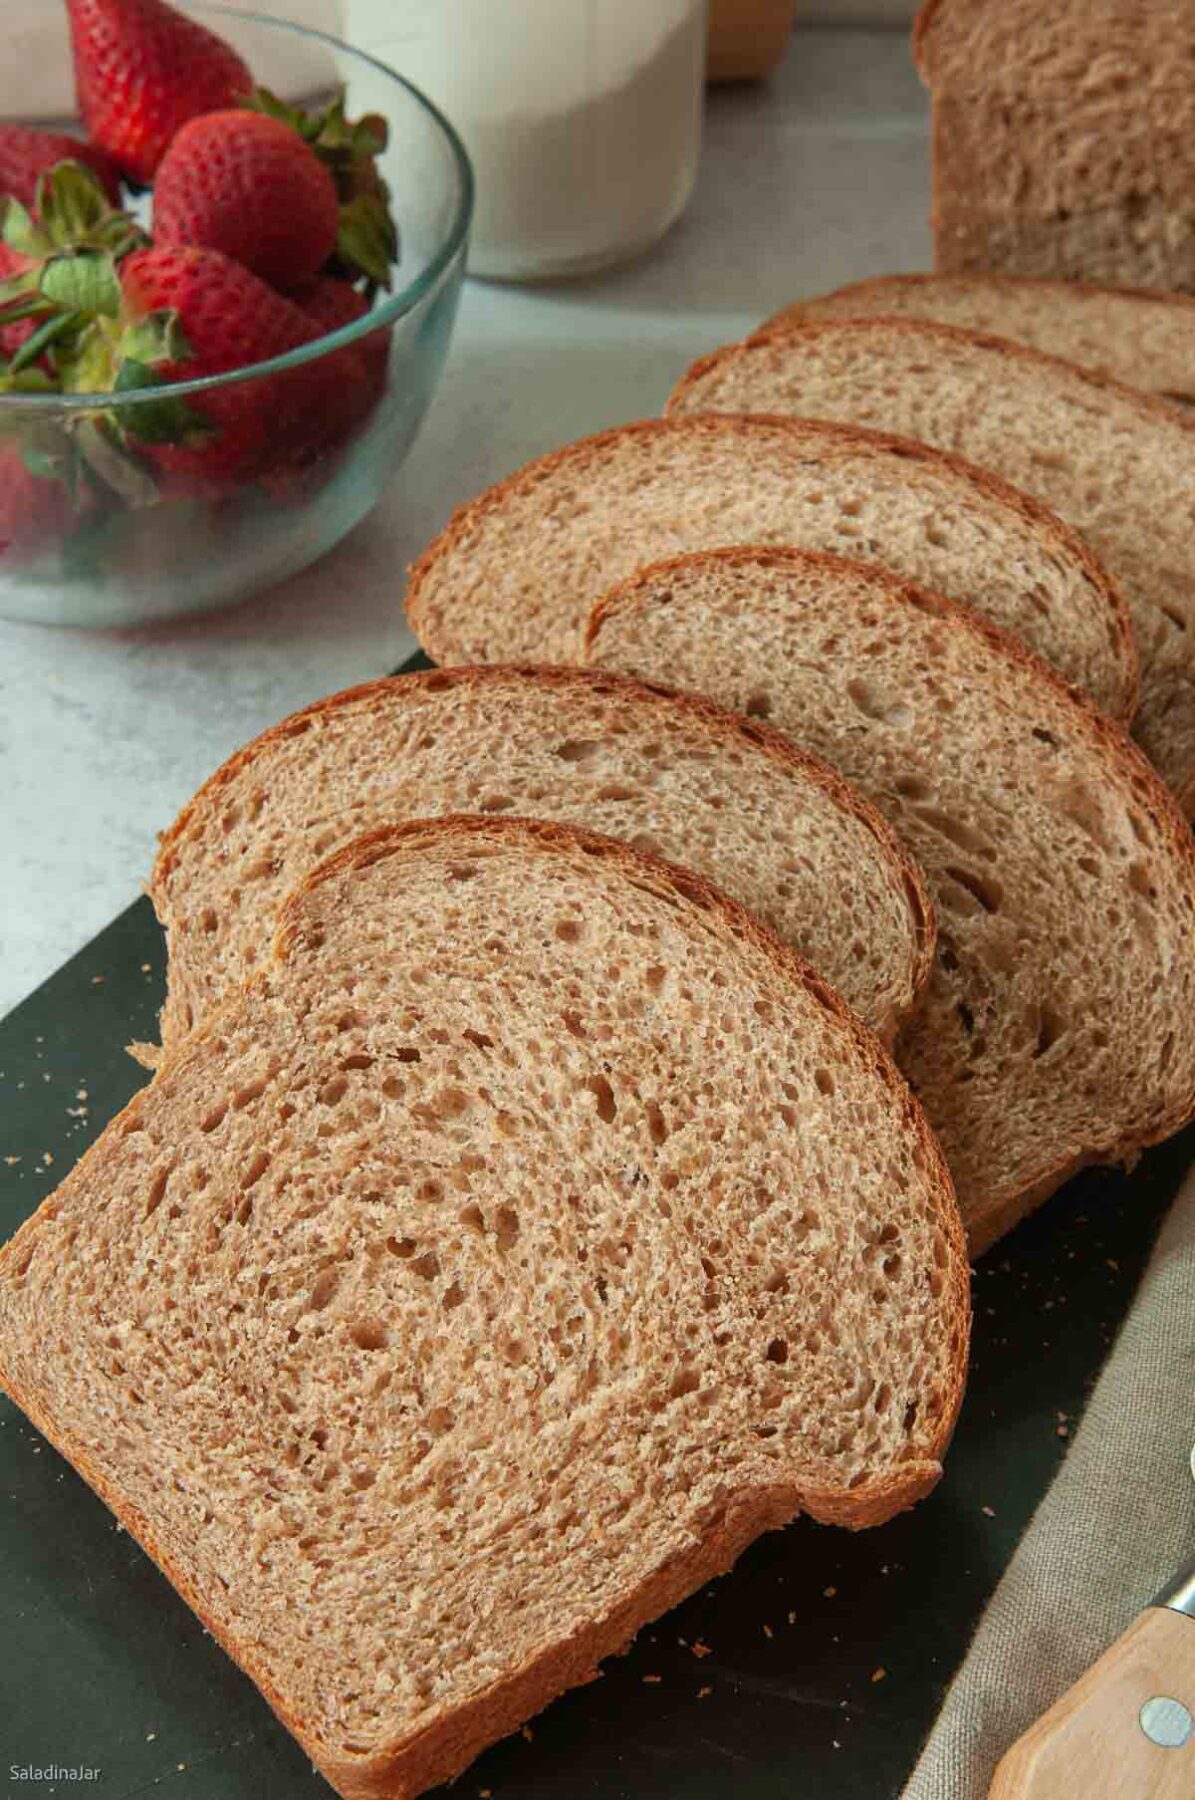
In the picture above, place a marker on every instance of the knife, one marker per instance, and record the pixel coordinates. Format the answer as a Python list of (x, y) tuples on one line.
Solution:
[(1126, 1730)]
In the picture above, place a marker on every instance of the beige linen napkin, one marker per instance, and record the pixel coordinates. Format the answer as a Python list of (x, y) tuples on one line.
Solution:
[(1116, 1526)]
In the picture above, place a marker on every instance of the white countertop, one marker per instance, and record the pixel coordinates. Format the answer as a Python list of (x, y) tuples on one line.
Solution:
[(817, 178)]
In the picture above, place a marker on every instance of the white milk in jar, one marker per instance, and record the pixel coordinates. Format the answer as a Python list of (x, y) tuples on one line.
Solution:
[(582, 117)]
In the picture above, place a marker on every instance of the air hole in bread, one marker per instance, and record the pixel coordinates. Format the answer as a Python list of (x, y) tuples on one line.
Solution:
[(983, 888), (427, 1266), (1166, 1053), (570, 931), (603, 1093), (646, 843), (213, 1119), (324, 1290), (431, 1192), (912, 787), (402, 1247), (360, 1061), (578, 750), (1045, 737), (334, 1091), (875, 706), (656, 1124), (686, 1381), (954, 830), (496, 803), (1175, 617), (1051, 1026), (777, 1351), (363, 1478), (369, 1334), (439, 1421), (157, 1190), (1083, 809), (464, 871), (1141, 882), (758, 705), (824, 1081)]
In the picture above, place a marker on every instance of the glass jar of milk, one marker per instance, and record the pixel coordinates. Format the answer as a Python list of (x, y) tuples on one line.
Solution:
[(582, 117)]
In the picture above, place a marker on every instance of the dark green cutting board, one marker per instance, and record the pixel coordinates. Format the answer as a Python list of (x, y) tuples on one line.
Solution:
[(813, 1671)]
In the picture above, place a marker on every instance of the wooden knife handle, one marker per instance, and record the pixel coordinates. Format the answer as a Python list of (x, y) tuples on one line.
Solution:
[(1099, 1742)]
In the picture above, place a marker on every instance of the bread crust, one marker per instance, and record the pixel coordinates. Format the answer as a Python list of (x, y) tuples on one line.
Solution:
[(450, 1739), (798, 311), (850, 438), (476, 678), (1008, 1205)]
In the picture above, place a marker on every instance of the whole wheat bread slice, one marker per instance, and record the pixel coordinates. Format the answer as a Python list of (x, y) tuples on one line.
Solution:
[(1134, 335), (1059, 1026), (515, 573), (536, 1232), (773, 826), (1118, 465)]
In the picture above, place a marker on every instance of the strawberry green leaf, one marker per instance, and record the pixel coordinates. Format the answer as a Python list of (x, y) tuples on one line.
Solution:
[(86, 282), (18, 302), (157, 338), (71, 202), (22, 233), (76, 213), (367, 241), (60, 326), (26, 381)]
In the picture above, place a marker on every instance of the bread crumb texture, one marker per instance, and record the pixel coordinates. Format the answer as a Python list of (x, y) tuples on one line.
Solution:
[(678, 777), (516, 573), (1059, 1024)]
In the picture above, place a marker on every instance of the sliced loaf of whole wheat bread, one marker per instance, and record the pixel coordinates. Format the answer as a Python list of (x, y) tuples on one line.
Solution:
[(1118, 465), (515, 573), (533, 1234), (1134, 335), (1059, 1027), (773, 826), (1062, 137)]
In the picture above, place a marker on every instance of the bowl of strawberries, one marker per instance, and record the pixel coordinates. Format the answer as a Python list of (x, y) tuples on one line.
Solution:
[(227, 290)]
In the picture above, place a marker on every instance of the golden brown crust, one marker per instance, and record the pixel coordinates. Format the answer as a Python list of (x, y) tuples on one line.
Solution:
[(447, 1743), (923, 26), (1108, 742), (1147, 404), (849, 438), (696, 708), (796, 312)]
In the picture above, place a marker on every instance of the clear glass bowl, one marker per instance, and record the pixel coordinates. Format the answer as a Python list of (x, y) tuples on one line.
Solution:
[(104, 564)]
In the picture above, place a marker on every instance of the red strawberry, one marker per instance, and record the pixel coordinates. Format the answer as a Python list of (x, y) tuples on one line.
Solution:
[(334, 304), (142, 70), (248, 185), (230, 320), (34, 512), (26, 154)]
